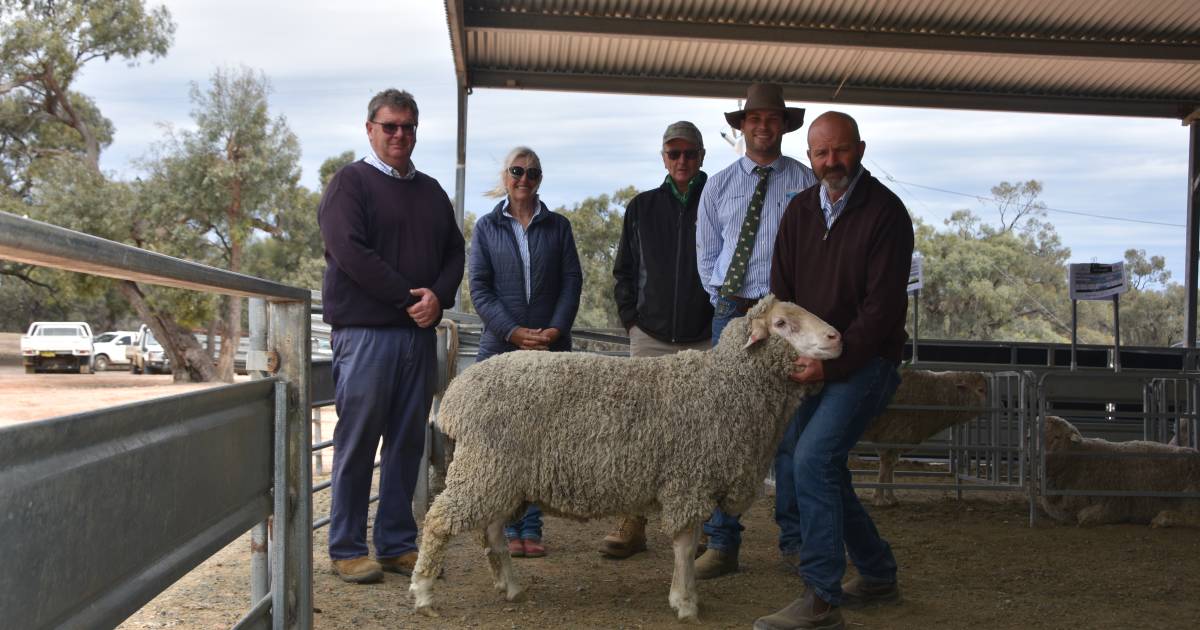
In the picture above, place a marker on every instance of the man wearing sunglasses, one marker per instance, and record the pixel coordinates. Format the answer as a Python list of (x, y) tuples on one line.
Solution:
[(394, 259), (738, 219), (659, 296)]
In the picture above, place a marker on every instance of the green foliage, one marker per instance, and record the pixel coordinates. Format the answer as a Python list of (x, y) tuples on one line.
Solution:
[(596, 223), (44, 44), (1009, 281)]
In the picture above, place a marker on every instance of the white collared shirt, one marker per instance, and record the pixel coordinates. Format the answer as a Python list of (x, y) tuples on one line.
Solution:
[(386, 169)]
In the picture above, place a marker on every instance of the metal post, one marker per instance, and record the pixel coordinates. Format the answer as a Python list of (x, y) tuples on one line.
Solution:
[(1193, 232), (460, 169), (1074, 326), (916, 323), (319, 456), (291, 562), (1116, 333), (260, 574)]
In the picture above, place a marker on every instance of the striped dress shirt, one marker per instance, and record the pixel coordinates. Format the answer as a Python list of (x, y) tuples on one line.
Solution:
[(833, 209), (722, 209), (522, 236)]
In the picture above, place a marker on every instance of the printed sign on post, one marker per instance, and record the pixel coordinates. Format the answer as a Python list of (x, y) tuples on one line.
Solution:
[(916, 275), (1094, 281)]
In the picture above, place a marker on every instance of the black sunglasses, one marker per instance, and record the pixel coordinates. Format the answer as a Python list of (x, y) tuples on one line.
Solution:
[(532, 173), (674, 154), (391, 128)]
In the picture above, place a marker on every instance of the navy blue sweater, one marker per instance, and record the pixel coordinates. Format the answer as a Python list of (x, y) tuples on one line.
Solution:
[(383, 237)]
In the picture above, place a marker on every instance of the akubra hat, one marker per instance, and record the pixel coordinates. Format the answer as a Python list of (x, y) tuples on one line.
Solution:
[(766, 96)]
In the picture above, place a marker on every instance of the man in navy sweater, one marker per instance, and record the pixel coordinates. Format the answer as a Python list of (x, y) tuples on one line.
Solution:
[(395, 258)]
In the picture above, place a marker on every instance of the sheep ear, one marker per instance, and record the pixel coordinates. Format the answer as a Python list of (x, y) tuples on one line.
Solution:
[(1076, 438), (760, 309), (758, 332)]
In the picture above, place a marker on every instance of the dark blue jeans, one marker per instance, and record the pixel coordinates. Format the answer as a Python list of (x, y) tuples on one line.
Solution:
[(383, 386), (724, 531), (819, 515)]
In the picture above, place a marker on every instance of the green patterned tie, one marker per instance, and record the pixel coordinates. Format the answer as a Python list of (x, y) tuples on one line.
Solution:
[(735, 276)]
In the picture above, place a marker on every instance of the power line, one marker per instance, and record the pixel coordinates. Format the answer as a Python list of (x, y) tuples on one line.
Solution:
[(985, 199)]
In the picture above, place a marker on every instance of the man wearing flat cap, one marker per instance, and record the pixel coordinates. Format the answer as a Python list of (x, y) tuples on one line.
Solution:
[(659, 296), (737, 222)]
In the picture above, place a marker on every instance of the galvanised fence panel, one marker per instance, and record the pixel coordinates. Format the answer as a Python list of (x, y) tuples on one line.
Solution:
[(112, 506)]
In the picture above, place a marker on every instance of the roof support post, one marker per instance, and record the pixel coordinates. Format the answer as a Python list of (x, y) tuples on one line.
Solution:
[(1193, 231), (460, 170)]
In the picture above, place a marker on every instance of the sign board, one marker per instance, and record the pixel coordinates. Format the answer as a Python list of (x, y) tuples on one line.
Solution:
[(1094, 281), (916, 275)]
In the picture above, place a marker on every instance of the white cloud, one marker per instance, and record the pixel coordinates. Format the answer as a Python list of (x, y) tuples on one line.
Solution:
[(326, 60)]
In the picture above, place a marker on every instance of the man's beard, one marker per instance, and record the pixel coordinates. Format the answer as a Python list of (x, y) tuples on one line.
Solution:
[(836, 184)]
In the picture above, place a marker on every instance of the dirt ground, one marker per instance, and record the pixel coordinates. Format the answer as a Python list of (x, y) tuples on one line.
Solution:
[(974, 563)]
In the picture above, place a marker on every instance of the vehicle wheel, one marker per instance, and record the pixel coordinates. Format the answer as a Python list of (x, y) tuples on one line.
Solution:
[(135, 368), (29, 369), (150, 370), (101, 363)]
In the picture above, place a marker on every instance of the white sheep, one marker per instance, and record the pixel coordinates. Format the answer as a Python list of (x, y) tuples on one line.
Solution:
[(914, 426), (1074, 462), (587, 436)]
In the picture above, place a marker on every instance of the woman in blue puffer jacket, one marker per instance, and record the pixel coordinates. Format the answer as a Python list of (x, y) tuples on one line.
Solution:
[(525, 284)]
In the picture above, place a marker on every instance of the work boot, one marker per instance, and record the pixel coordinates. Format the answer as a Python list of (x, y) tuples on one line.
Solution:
[(809, 612), (715, 563), (402, 564), (360, 570), (859, 593), (628, 539)]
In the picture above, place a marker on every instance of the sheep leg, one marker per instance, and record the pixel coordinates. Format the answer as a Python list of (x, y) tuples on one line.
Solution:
[(683, 581), (887, 467), (1098, 514), (504, 577), (434, 538)]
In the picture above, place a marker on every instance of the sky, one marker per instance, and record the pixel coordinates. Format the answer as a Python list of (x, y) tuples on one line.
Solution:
[(325, 61)]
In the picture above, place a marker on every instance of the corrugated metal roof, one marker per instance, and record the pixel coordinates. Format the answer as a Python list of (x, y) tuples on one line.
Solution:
[(1100, 56)]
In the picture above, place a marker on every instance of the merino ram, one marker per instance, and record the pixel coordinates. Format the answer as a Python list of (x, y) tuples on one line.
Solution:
[(1074, 462), (966, 391), (586, 436)]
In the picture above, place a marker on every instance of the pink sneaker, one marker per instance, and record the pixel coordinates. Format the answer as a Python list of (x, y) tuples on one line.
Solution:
[(533, 548), (516, 548)]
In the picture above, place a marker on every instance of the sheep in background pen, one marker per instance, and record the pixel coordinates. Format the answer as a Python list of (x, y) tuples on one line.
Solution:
[(913, 426), (1074, 462), (587, 436)]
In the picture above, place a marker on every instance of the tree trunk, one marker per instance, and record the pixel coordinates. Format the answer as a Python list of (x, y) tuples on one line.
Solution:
[(210, 341), (189, 362), (231, 335)]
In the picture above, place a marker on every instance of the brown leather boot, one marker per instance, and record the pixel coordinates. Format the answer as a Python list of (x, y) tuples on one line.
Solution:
[(628, 539), (402, 564), (809, 612), (360, 570), (714, 563), (858, 593)]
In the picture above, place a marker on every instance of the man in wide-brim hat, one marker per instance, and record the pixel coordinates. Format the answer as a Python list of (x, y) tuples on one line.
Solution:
[(736, 224), (766, 96)]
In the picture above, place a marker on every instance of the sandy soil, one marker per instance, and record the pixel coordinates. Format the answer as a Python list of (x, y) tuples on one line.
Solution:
[(968, 564), (964, 564)]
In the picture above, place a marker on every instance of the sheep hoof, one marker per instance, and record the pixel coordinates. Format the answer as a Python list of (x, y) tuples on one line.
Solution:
[(428, 611), (689, 614), (515, 595)]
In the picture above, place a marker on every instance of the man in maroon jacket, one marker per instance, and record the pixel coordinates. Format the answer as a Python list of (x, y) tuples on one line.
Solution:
[(843, 252)]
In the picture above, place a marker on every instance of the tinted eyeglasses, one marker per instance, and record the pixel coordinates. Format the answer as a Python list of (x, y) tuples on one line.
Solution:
[(391, 128), (532, 173), (690, 154)]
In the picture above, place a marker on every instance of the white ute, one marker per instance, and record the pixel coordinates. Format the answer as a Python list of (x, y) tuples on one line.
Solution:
[(109, 349), (57, 345)]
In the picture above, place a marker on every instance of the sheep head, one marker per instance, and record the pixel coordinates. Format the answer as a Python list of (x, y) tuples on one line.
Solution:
[(807, 333), (1060, 434)]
